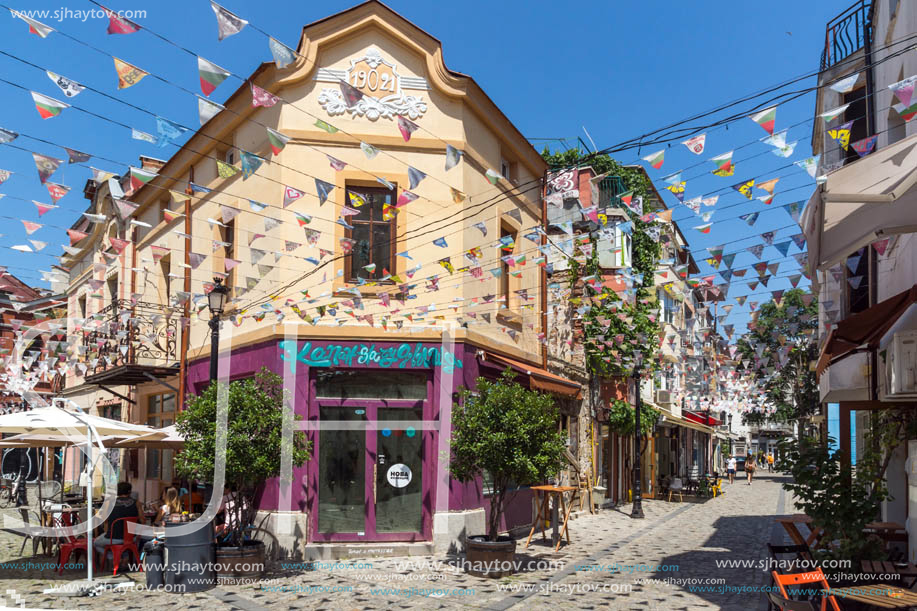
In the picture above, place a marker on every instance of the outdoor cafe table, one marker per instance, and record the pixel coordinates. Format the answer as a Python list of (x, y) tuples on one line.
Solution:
[(789, 525), (556, 492), (907, 571), (877, 596)]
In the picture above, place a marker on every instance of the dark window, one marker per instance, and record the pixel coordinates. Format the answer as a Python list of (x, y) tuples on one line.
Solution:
[(504, 277), (858, 279), (373, 235), (856, 112)]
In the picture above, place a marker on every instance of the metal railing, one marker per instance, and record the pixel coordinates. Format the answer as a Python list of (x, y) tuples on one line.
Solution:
[(846, 34), (131, 333)]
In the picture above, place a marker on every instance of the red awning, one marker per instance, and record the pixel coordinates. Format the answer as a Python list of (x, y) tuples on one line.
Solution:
[(539, 378), (864, 328), (700, 418)]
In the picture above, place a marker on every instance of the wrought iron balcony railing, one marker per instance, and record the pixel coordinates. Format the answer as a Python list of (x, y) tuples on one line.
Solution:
[(846, 34), (131, 333)]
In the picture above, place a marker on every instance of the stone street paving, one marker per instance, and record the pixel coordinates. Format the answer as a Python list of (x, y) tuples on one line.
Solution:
[(675, 550)]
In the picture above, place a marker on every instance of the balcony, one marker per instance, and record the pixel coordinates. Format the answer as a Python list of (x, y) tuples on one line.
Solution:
[(846, 34), (131, 343)]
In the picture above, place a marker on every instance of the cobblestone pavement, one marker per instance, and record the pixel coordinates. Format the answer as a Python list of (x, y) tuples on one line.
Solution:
[(603, 568)]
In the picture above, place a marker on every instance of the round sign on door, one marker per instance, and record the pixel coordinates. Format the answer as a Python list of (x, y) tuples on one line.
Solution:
[(399, 475)]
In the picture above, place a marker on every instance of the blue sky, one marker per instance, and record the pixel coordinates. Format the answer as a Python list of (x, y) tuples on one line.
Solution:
[(617, 68)]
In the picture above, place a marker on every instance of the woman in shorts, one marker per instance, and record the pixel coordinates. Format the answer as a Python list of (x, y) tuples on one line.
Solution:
[(750, 467), (731, 469)]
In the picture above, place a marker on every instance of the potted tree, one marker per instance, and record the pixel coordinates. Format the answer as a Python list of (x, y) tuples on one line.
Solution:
[(253, 450), (509, 434)]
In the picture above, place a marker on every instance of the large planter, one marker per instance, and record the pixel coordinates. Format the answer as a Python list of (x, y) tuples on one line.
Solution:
[(490, 558), (235, 565)]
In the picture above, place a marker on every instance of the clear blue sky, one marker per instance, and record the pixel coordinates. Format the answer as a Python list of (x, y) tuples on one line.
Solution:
[(617, 68)]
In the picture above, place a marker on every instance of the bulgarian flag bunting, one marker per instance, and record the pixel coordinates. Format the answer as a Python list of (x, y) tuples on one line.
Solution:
[(724, 165), (35, 27), (656, 159), (705, 228), (140, 177), (211, 75), (302, 219), (831, 115), (277, 140), (48, 107), (766, 119)]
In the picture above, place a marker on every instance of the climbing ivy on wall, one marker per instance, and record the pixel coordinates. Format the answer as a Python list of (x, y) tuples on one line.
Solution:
[(615, 328)]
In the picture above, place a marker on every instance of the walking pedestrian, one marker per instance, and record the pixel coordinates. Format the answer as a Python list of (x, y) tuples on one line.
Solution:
[(770, 462), (731, 469), (750, 467)]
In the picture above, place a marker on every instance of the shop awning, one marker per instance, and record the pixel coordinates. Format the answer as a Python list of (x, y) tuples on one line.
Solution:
[(539, 378), (700, 418), (865, 328), (688, 424), (861, 202)]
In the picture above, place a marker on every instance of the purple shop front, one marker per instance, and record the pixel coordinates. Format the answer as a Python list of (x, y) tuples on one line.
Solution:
[(372, 411)]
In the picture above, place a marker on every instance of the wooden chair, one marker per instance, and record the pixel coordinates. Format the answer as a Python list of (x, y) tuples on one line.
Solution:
[(811, 578), (785, 604), (676, 487)]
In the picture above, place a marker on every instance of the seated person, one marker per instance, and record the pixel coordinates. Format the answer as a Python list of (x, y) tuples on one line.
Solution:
[(171, 506), (125, 507), (229, 510)]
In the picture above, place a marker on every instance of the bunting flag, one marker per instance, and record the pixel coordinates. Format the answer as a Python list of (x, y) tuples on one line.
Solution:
[(46, 166), (290, 195), (195, 259), (406, 127), (453, 157), (136, 134), (831, 115), (756, 250), (787, 150), (415, 176), (35, 27), (283, 55), (673, 179), (907, 113), (705, 228), (783, 247), (846, 84), (769, 185), (56, 191), (227, 23), (7, 136), (388, 212), (766, 199), (369, 150), (724, 165), (323, 189), (48, 107), (140, 177), (224, 170), (810, 165), (750, 218), (678, 190), (881, 246), (250, 164), (125, 208), (447, 265), (441, 242), (865, 146), (76, 236), (168, 131), (42, 208), (4, 176), (262, 97), (710, 201), (128, 74), (277, 140), (405, 198), (745, 188), (768, 237), (799, 239), (325, 126), (656, 159), (493, 176), (356, 200), (765, 119), (75, 156), (841, 135), (68, 87), (457, 196), (118, 24), (904, 90), (335, 163), (351, 94), (158, 252), (31, 227), (207, 109), (696, 144), (210, 74)]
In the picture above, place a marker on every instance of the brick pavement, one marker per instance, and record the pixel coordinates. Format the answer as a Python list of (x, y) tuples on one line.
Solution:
[(689, 536)]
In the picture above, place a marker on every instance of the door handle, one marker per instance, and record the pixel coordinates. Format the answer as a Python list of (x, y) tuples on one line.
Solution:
[(375, 480)]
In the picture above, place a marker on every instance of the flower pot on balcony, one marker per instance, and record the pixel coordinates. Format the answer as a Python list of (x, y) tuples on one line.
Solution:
[(492, 559)]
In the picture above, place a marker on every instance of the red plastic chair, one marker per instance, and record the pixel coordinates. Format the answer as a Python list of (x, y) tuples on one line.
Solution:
[(68, 544), (117, 549)]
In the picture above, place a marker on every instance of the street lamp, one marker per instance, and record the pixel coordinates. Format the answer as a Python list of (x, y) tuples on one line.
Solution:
[(216, 300), (637, 509)]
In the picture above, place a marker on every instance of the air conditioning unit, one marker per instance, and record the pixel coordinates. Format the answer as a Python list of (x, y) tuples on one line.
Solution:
[(901, 366), (664, 397)]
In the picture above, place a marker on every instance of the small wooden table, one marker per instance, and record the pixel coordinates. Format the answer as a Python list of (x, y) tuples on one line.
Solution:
[(789, 525), (908, 573), (556, 492), (877, 596)]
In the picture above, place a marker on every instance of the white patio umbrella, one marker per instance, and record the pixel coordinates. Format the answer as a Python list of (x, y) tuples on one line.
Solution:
[(46, 421), (166, 438)]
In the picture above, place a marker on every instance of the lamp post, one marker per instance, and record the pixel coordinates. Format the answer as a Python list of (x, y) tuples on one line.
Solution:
[(216, 300), (637, 509)]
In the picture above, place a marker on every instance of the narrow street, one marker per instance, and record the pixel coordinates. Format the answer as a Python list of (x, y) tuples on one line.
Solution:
[(678, 544)]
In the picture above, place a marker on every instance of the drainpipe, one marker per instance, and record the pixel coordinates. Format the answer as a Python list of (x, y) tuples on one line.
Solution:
[(544, 273), (185, 332)]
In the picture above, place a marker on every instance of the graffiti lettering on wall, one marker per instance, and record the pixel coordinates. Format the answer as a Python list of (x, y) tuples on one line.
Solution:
[(368, 355)]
